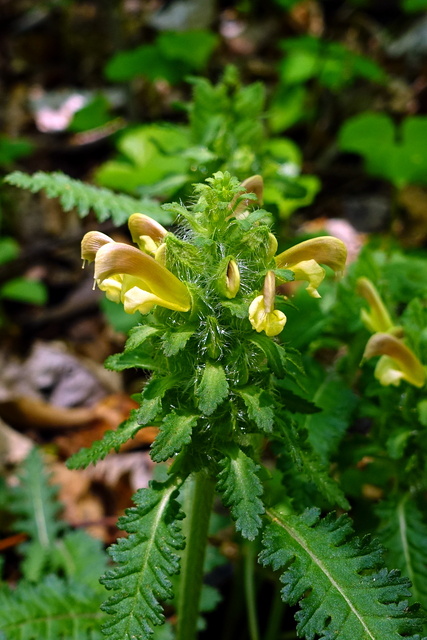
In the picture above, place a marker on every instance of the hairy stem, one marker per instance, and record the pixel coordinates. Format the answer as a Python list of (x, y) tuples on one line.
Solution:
[(198, 516)]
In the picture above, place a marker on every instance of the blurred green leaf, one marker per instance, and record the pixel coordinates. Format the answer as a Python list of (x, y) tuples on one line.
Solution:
[(414, 5), (397, 155), (92, 115), (330, 63), (9, 250), (173, 56), (24, 290), (12, 149)]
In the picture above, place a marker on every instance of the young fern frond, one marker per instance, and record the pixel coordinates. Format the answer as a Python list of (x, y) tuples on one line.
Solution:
[(54, 608), (84, 197), (403, 532), (340, 581), (145, 562)]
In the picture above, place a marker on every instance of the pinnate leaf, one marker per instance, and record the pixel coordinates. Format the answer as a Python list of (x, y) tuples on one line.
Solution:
[(241, 490), (403, 532), (52, 609), (111, 440), (343, 589), (145, 561)]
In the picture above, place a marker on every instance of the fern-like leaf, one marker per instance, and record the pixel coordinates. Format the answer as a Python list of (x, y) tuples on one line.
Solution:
[(145, 562), (339, 580), (241, 490), (403, 532), (53, 609), (85, 197), (34, 503)]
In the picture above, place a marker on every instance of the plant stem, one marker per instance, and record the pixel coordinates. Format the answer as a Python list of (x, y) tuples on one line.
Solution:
[(275, 616), (249, 561), (192, 563)]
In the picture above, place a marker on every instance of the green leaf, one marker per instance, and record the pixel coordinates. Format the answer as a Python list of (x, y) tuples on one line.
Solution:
[(175, 432), (151, 397), (241, 489), (9, 250), (24, 290), (111, 440), (292, 447), (138, 335), (274, 353), (79, 557), (403, 531), (92, 115), (85, 197), (414, 5), (327, 427), (396, 155), (192, 47), (53, 609), (131, 360), (174, 341), (339, 580), (213, 388), (12, 149), (260, 407), (34, 503), (145, 561)]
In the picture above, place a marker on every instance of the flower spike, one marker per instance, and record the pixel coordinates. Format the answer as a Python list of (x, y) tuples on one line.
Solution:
[(305, 258), (397, 363)]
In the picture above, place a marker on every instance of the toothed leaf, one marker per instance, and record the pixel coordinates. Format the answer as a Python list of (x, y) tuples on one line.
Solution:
[(175, 432), (112, 440), (53, 609), (340, 582), (260, 407), (145, 562), (213, 388), (241, 490), (403, 531)]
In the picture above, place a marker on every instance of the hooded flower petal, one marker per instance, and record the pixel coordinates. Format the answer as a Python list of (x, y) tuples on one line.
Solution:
[(262, 315), (121, 259), (377, 319), (146, 232), (303, 258), (398, 362), (91, 242)]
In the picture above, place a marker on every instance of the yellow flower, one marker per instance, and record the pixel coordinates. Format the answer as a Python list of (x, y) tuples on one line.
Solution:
[(132, 277), (262, 315), (305, 258), (377, 319), (397, 361)]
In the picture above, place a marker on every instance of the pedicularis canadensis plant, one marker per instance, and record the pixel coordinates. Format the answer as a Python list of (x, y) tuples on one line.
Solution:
[(211, 315)]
